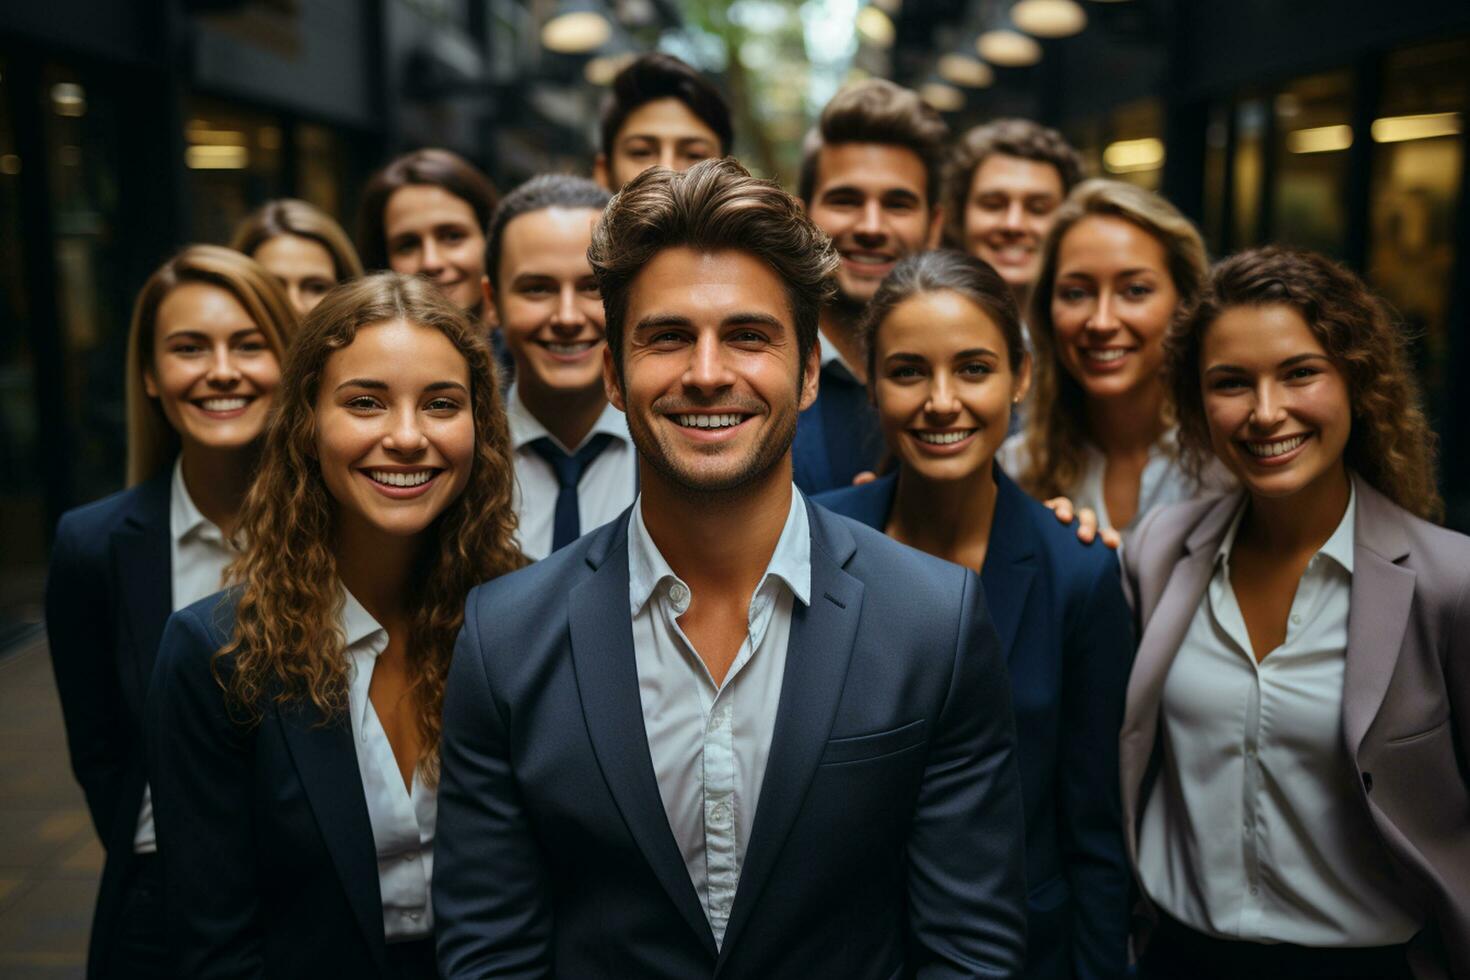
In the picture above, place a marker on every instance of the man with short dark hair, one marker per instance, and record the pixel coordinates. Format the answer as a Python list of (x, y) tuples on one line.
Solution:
[(575, 464), (1006, 180), (870, 179), (660, 113), (729, 733)]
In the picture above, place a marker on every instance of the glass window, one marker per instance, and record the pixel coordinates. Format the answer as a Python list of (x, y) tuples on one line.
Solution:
[(1418, 159), (1314, 132), (1135, 148), (1249, 173), (234, 161), (320, 166), (1217, 139)]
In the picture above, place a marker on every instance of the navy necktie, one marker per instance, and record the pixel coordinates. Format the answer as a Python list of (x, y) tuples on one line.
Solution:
[(567, 525)]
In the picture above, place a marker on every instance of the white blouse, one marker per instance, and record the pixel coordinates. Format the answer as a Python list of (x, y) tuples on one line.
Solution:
[(402, 818)]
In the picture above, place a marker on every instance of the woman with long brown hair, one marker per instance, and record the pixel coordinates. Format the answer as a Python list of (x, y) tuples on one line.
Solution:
[(1293, 756), (1120, 265), (294, 719), (301, 246), (208, 336)]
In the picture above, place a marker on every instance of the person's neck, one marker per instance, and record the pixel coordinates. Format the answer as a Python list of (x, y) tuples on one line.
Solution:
[(1299, 523), (567, 413), (376, 568), (1127, 425), (944, 518), (217, 480), (717, 541), (839, 325)]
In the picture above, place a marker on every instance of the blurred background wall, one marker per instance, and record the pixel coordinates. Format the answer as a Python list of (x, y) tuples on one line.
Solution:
[(128, 129)]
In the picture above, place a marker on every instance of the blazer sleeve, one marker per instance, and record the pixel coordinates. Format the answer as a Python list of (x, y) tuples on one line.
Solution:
[(200, 766), (492, 898), (1457, 676), (1097, 656), (966, 888), (78, 629)]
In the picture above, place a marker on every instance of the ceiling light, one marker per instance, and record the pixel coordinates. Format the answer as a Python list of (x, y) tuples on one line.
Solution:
[(1133, 156), (1010, 48), (964, 70), (1320, 139), (876, 27), (945, 98), (215, 156), (602, 69), (575, 32), (1397, 129), (69, 99), (1049, 18)]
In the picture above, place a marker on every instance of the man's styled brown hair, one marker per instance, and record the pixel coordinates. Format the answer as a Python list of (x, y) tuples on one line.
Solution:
[(714, 205), (1004, 137), (1391, 444), (431, 167), (878, 111), (654, 76)]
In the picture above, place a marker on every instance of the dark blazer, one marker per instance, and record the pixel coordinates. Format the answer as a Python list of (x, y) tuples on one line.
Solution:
[(1405, 699), (886, 838), (269, 863), (1068, 643), (838, 436), (108, 593)]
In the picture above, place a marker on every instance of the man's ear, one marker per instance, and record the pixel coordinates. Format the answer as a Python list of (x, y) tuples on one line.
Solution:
[(611, 386), (811, 377), (936, 227), (600, 172), (488, 313)]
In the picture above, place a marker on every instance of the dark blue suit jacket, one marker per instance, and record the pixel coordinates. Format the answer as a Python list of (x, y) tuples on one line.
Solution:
[(838, 436), (1065, 631), (268, 856), (108, 593), (886, 839)]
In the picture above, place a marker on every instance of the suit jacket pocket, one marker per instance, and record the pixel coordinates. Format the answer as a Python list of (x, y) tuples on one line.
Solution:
[(861, 748)]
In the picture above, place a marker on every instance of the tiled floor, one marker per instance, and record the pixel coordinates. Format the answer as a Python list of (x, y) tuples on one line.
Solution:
[(49, 856)]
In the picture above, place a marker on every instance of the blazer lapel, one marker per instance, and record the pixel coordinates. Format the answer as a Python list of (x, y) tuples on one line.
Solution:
[(144, 567), (607, 679), (1382, 598), (817, 654), (327, 763), (1010, 562)]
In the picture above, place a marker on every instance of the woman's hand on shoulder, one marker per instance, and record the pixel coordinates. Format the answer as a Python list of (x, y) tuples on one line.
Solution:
[(1086, 517)]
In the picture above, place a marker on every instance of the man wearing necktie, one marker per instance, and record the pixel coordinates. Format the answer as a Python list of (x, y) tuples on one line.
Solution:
[(575, 464), (729, 733)]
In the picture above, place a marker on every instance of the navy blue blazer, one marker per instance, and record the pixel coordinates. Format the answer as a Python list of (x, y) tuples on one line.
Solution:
[(886, 838), (838, 436), (269, 863), (1066, 634), (108, 593)]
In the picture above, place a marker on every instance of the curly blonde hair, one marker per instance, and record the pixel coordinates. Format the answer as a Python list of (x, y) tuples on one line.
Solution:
[(1391, 444), (1055, 436), (288, 643)]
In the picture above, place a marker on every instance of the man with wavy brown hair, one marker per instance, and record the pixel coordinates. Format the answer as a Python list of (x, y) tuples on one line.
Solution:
[(728, 733)]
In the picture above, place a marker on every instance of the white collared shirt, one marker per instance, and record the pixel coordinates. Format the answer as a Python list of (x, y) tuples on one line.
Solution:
[(605, 490), (710, 742), (1164, 479), (198, 555), (1255, 830), (402, 819)]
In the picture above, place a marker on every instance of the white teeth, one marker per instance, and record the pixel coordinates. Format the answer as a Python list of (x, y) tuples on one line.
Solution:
[(869, 259), (1278, 448), (567, 350), (709, 421), (395, 479), (944, 438), (223, 404), (1111, 354)]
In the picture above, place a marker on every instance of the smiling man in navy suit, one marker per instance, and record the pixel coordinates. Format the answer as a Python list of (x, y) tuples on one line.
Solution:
[(728, 734)]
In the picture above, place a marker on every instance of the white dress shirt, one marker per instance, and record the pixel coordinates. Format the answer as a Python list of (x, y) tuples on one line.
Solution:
[(1164, 480), (710, 742), (605, 490), (198, 554), (1255, 831), (402, 819)]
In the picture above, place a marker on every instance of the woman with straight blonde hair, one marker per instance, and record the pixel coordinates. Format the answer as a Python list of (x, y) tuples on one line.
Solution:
[(1120, 265), (301, 246), (208, 336), (294, 719)]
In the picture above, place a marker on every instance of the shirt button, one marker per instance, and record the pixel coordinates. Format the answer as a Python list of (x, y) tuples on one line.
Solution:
[(410, 856), (1255, 890), (415, 916), (679, 593), (719, 813), (1296, 620)]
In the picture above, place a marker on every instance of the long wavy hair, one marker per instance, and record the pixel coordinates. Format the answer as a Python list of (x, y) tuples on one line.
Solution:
[(152, 441), (1391, 444), (288, 643), (1055, 436)]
